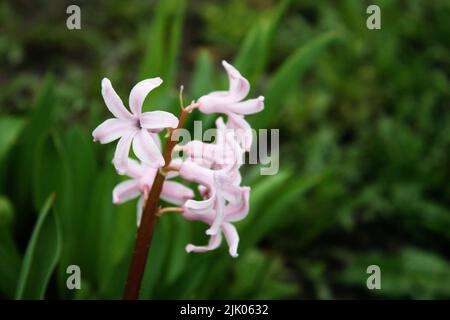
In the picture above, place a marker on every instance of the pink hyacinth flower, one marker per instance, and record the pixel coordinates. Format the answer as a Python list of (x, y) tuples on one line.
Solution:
[(133, 128), (230, 103), (232, 213), (142, 179)]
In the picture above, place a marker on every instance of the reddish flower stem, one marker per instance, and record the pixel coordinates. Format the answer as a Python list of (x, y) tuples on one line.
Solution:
[(148, 220)]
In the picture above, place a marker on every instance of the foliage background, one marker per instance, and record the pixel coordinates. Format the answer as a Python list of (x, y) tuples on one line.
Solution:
[(364, 155)]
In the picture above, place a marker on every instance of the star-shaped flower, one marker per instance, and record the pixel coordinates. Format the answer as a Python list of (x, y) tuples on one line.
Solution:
[(133, 128)]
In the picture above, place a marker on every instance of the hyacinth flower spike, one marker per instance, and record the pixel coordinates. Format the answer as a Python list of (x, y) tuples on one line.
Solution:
[(133, 128)]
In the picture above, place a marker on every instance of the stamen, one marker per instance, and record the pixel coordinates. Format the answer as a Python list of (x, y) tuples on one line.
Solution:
[(162, 211), (181, 98), (165, 170), (192, 106)]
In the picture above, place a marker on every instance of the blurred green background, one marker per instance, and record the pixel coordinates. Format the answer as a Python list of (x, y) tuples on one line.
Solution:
[(364, 146)]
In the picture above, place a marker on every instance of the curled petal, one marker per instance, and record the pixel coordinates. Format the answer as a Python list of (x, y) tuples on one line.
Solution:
[(239, 210), (140, 91), (193, 216), (239, 86), (145, 148), (243, 130), (125, 191), (157, 120), (111, 129), (213, 243), (232, 238), (249, 106), (218, 219), (113, 101), (176, 193), (120, 159), (202, 207)]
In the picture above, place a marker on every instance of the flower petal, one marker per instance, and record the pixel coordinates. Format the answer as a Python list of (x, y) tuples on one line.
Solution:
[(232, 238), (243, 130), (120, 159), (249, 106), (145, 148), (239, 86), (191, 171), (218, 219), (213, 243), (202, 207), (239, 210), (139, 209), (111, 129), (176, 193), (157, 120), (125, 191), (193, 216), (113, 101), (140, 91), (175, 162), (157, 140), (135, 169)]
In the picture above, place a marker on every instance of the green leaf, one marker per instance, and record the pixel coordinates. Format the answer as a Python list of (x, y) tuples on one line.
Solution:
[(276, 211), (255, 51), (39, 124), (202, 82), (51, 174), (10, 127), (163, 45), (41, 256), (9, 256), (287, 76)]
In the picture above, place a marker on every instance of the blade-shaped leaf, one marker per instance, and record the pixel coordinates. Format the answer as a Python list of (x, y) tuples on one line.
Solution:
[(10, 128), (41, 256), (287, 76), (9, 256)]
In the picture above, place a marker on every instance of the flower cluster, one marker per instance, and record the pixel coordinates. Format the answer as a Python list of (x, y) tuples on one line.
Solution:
[(213, 166)]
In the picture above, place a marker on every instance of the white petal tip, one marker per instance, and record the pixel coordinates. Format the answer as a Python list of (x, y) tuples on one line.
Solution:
[(189, 248), (211, 232), (105, 81)]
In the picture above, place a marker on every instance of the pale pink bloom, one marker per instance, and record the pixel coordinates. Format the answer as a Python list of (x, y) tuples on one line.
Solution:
[(141, 183), (230, 103), (232, 212), (133, 128), (222, 189)]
